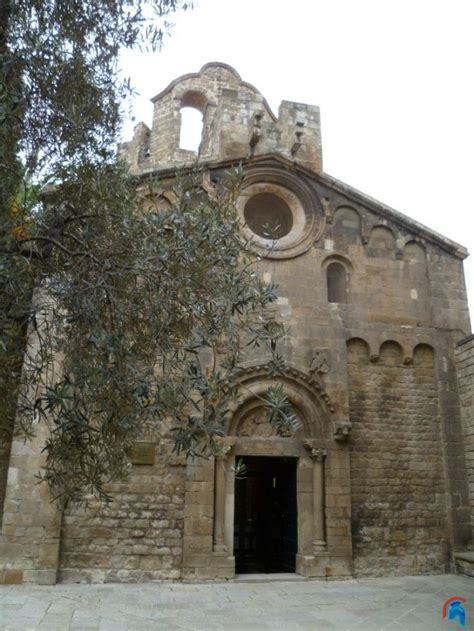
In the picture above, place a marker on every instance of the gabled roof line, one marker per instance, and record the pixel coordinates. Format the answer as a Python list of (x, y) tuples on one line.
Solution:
[(398, 217), (374, 204), (344, 189)]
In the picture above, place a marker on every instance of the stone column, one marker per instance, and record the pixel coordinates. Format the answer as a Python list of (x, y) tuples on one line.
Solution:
[(319, 542), (219, 499)]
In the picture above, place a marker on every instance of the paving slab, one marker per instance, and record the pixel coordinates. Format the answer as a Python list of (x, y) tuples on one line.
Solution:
[(411, 603)]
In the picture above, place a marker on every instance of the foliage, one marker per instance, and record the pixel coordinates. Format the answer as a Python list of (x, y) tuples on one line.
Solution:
[(135, 317)]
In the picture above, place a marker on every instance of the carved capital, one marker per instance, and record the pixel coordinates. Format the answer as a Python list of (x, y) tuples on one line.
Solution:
[(316, 453), (223, 447), (222, 453)]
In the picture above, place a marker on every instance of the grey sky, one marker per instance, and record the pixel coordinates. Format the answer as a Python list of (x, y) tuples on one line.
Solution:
[(393, 78)]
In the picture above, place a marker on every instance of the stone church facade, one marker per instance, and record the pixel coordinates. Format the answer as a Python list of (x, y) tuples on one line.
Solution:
[(379, 478)]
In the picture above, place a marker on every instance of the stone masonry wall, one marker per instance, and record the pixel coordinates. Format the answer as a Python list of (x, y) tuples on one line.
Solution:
[(398, 488), (465, 357), (138, 537)]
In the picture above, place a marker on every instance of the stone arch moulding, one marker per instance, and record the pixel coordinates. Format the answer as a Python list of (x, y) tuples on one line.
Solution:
[(414, 250), (308, 396), (338, 258), (361, 342), (308, 215), (324, 546), (195, 99)]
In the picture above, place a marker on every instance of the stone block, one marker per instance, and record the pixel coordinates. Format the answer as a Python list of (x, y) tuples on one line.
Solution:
[(40, 577), (11, 577)]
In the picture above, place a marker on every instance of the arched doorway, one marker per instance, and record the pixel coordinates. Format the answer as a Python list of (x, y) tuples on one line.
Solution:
[(312, 534)]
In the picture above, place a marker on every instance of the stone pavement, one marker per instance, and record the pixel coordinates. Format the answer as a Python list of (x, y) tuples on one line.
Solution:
[(388, 604)]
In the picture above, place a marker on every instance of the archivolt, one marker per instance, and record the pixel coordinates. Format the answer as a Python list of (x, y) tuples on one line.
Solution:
[(304, 392)]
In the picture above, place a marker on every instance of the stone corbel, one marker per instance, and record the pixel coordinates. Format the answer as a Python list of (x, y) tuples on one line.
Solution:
[(343, 430)]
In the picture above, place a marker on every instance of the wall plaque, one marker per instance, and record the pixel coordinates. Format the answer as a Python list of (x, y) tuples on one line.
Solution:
[(143, 453)]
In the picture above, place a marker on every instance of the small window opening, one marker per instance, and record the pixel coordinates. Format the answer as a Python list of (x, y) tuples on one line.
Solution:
[(337, 283), (191, 129)]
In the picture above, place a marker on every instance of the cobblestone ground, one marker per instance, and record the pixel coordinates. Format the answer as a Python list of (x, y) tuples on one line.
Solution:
[(387, 604)]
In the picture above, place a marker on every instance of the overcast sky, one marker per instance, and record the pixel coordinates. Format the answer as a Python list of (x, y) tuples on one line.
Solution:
[(394, 80)]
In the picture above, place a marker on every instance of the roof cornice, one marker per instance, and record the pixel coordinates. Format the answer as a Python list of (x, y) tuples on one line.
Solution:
[(344, 189)]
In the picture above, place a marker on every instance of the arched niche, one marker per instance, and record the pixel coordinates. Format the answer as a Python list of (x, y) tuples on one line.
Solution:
[(423, 355), (391, 353), (358, 351), (413, 252), (346, 227), (381, 242)]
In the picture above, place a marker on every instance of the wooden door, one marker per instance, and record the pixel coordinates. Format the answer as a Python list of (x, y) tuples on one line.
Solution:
[(265, 527)]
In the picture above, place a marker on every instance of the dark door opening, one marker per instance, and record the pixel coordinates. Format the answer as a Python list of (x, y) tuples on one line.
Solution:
[(265, 534)]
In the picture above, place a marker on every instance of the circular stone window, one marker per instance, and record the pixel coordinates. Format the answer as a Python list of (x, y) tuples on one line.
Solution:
[(274, 219), (281, 213), (268, 216)]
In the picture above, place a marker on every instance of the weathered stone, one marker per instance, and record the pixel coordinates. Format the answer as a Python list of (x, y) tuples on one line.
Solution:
[(374, 305)]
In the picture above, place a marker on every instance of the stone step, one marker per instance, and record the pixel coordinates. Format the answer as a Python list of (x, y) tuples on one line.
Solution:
[(269, 578), (464, 563)]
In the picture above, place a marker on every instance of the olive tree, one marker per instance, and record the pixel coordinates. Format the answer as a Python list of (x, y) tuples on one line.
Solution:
[(113, 318)]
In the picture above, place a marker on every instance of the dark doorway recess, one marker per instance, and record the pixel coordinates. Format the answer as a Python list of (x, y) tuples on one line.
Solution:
[(265, 535)]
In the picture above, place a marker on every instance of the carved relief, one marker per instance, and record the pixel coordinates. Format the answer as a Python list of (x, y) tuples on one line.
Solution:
[(343, 430), (309, 380), (256, 425), (319, 363)]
